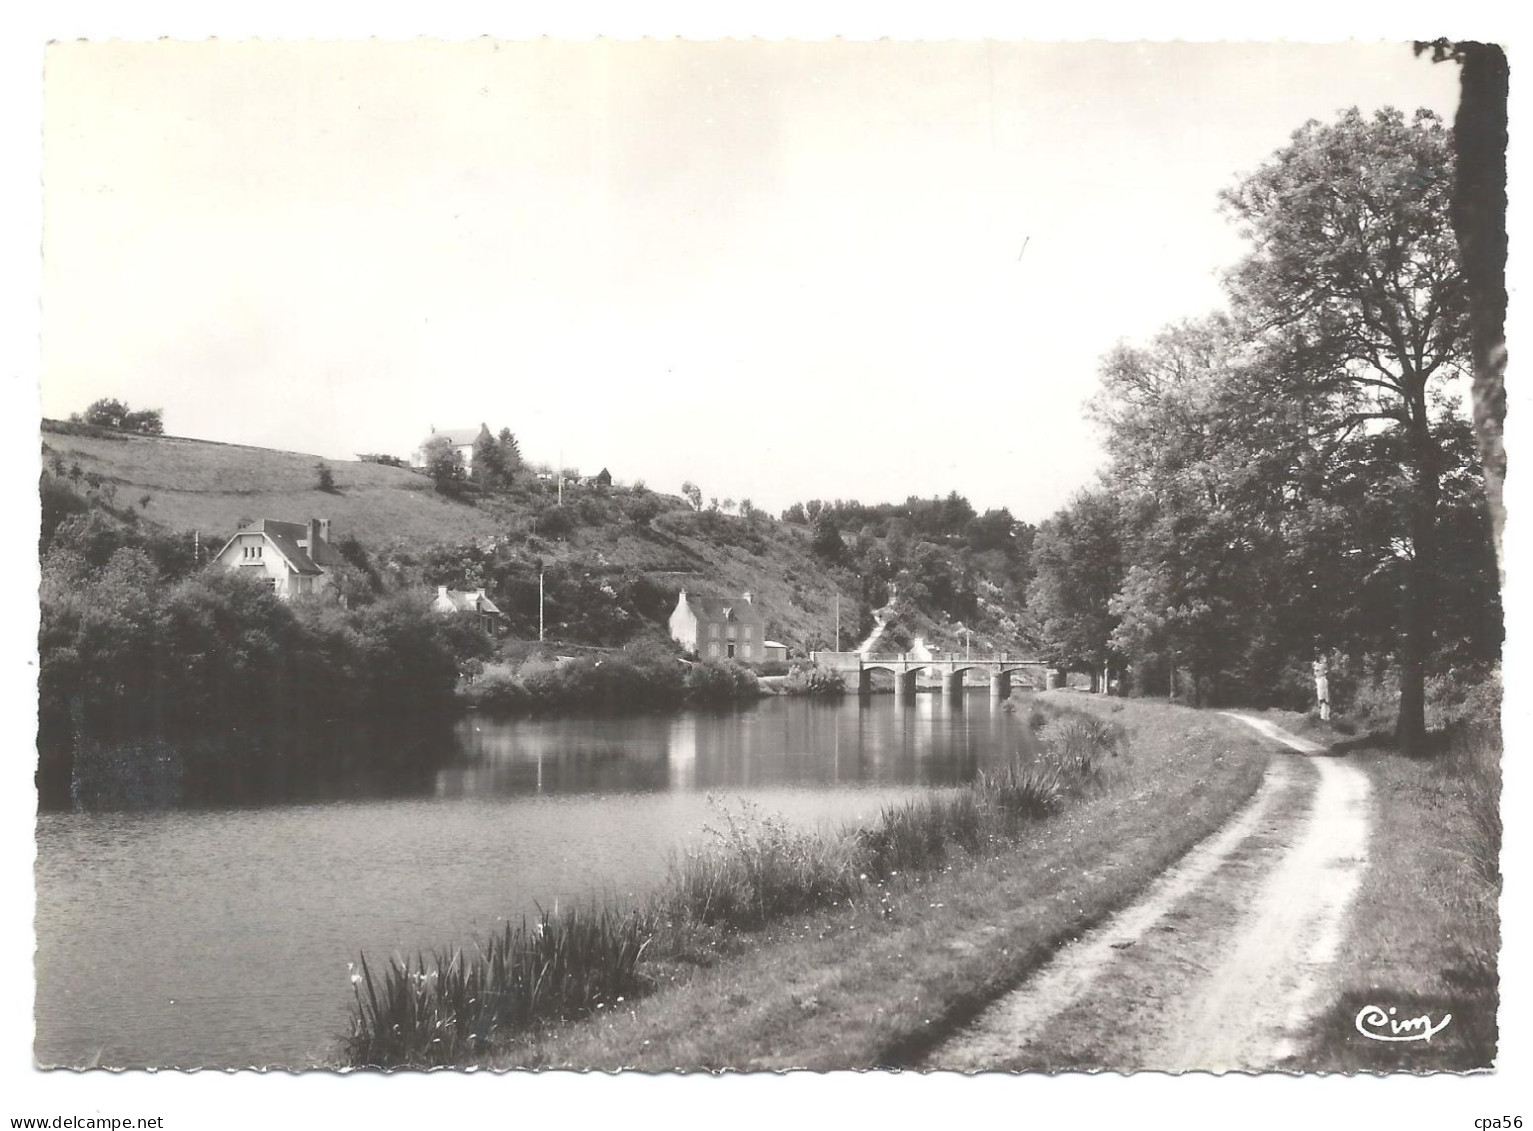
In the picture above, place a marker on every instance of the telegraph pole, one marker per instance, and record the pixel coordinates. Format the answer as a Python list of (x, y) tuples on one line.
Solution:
[(540, 606), (838, 620)]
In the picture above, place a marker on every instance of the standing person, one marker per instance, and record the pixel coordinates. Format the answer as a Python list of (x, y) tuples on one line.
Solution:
[(1322, 668)]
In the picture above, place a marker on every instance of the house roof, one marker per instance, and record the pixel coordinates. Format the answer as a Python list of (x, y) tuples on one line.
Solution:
[(459, 437), (285, 536), (470, 602), (773, 644), (718, 608)]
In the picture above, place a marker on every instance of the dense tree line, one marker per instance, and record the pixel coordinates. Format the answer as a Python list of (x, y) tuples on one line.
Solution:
[(1294, 481)]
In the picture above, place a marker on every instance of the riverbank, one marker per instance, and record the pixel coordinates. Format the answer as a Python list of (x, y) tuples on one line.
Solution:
[(875, 981)]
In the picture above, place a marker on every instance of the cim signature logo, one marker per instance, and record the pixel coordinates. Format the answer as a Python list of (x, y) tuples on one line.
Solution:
[(1378, 1024)]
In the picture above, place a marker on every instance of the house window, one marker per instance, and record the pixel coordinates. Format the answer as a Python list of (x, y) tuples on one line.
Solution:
[(745, 650), (729, 631), (731, 653), (713, 649), (749, 631), (713, 633)]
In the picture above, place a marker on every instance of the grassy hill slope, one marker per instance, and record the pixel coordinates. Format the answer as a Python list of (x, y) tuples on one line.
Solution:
[(211, 487), (196, 485)]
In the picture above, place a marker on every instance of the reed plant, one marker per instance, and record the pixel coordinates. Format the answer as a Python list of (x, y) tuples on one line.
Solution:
[(453, 1004)]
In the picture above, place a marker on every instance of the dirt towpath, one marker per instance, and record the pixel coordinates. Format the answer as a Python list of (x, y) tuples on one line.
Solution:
[(1221, 962)]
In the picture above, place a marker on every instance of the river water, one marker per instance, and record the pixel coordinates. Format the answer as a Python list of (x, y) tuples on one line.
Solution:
[(221, 937)]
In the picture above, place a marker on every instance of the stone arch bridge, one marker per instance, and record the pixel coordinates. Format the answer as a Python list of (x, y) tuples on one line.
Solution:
[(948, 668)]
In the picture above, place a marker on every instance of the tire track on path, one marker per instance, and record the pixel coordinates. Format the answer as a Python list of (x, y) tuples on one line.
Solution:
[(1279, 878)]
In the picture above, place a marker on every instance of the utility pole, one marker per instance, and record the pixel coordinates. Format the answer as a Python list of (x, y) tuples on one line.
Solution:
[(838, 620), (540, 606), (559, 471)]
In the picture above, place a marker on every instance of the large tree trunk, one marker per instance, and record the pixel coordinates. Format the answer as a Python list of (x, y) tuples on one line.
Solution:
[(1417, 613), (1479, 222)]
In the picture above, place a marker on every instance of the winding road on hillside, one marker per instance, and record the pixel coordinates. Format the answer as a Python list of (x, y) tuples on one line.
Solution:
[(1222, 961)]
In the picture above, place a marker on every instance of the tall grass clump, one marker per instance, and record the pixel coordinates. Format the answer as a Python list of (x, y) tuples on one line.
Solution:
[(454, 1004), (755, 869)]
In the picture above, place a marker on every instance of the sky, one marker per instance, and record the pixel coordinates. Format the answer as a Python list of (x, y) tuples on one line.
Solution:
[(779, 270)]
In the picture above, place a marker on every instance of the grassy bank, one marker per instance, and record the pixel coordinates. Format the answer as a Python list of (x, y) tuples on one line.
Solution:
[(1425, 931), (774, 948)]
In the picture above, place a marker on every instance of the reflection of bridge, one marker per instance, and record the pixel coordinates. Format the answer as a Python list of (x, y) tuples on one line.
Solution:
[(856, 670)]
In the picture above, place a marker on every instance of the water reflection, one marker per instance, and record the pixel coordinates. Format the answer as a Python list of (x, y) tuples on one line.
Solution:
[(914, 740)]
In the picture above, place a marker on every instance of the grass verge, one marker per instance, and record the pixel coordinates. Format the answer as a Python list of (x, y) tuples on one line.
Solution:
[(884, 970), (1425, 931)]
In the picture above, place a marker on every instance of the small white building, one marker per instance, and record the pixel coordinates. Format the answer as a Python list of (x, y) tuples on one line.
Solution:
[(772, 650), (295, 557), (473, 601), (461, 439)]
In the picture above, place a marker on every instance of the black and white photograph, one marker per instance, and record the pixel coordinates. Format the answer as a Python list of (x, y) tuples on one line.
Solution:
[(977, 560)]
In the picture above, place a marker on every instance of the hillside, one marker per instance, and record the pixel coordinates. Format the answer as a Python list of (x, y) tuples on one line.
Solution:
[(626, 546)]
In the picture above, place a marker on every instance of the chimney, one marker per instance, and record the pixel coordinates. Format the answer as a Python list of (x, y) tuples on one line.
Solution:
[(313, 535), (324, 530)]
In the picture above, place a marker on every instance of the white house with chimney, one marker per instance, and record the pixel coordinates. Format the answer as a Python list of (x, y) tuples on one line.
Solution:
[(720, 628), (294, 557)]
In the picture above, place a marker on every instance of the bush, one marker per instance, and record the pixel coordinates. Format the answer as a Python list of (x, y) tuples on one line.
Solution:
[(608, 684), (814, 680), (720, 681)]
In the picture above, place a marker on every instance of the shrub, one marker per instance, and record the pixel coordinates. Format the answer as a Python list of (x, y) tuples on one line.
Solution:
[(720, 681), (814, 680)]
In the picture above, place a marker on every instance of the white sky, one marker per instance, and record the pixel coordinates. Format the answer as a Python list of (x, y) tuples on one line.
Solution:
[(782, 271)]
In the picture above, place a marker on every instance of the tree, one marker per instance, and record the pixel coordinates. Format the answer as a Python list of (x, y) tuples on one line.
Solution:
[(487, 470), (1354, 285), (826, 543), (693, 494), (1078, 555), (510, 455), (108, 412), (324, 477), (148, 421), (444, 464)]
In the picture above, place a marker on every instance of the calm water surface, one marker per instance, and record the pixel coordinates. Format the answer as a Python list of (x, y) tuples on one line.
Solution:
[(220, 938)]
